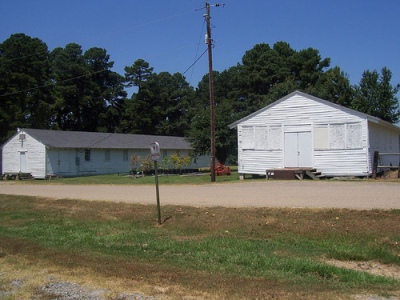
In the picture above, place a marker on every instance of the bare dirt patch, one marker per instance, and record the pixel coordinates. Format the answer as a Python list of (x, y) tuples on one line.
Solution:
[(372, 267)]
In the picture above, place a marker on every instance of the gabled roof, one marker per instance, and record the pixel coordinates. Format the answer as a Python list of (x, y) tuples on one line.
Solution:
[(298, 93), (99, 140)]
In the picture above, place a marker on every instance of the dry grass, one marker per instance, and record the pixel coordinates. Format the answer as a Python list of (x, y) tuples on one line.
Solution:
[(34, 273), (290, 229)]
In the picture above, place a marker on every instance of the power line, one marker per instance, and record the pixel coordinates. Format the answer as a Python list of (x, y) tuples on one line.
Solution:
[(88, 74), (50, 84), (24, 56), (137, 26), (197, 51), (205, 51)]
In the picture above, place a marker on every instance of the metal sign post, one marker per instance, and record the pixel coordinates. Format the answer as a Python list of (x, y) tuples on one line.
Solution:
[(155, 156)]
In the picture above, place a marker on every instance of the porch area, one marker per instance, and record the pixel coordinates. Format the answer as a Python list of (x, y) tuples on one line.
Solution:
[(293, 174)]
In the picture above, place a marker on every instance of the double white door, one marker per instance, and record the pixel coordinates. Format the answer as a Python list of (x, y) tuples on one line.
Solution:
[(298, 149)]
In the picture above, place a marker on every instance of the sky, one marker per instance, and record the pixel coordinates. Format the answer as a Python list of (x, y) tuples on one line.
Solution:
[(357, 35)]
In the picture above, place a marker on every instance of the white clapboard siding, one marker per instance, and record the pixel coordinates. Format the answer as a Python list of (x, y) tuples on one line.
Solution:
[(337, 162), (48, 153), (257, 162), (34, 155), (71, 162), (300, 109), (343, 133)]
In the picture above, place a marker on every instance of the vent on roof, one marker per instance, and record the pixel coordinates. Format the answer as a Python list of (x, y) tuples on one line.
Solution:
[(21, 136)]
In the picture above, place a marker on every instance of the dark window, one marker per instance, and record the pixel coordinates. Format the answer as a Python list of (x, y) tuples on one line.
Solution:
[(87, 154), (125, 155), (107, 155)]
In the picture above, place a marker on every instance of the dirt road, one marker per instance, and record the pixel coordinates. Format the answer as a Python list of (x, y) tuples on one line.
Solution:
[(313, 194)]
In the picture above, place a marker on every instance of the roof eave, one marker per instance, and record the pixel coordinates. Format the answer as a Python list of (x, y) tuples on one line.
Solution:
[(349, 110), (234, 124)]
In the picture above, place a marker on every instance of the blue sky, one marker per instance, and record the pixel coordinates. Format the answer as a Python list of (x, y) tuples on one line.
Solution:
[(169, 34)]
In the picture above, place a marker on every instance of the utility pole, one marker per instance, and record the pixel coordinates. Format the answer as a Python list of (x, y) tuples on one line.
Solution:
[(209, 42)]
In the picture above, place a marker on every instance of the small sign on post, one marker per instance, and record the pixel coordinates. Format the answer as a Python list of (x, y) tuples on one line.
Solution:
[(155, 156), (155, 151)]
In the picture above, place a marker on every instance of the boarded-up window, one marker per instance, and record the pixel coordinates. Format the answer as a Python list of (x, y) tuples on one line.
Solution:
[(337, 136), (248, 137), (353, 136), (321, 137), (261, 137), (275, 138)]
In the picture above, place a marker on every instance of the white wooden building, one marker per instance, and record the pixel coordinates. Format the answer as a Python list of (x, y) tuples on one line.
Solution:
[(46, 153), (302, 131)]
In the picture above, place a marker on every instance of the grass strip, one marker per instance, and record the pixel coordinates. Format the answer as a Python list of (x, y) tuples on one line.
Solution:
[(249, 245)]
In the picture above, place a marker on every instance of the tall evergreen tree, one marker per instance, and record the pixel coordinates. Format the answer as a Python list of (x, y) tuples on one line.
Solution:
[(137, 74), (171, 95), (104, 93), (334, 85), (227, 110), (115, 98), (265, 69), (70, 74), (25, 87), (137, 115), (85, 88), (376, 96)]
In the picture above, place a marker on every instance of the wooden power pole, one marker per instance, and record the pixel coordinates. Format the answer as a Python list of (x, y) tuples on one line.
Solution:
[(211, 91)]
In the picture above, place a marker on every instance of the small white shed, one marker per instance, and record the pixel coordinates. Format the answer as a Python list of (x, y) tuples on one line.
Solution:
[(46, 153), (303, 131)]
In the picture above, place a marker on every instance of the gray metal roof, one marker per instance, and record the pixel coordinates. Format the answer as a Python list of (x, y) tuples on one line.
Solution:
[(99, 140)]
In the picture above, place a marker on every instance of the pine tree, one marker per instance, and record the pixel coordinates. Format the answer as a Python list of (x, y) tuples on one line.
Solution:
[(376, 96)]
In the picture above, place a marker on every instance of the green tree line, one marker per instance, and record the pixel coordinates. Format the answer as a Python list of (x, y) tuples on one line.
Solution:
[(71, 89)]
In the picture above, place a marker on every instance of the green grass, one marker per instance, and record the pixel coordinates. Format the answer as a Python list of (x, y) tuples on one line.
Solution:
[(200, 178), (249, 247)]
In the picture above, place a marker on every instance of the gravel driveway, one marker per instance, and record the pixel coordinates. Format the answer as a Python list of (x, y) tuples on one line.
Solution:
[(273, 193)]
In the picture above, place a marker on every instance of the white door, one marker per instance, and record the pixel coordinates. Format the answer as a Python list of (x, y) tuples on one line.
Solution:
[(298, 149), (291, 152), (22, 162)]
